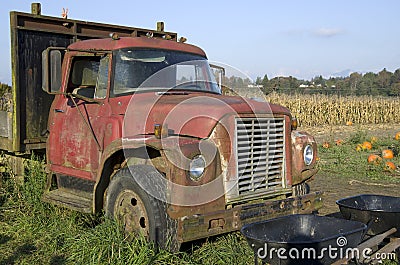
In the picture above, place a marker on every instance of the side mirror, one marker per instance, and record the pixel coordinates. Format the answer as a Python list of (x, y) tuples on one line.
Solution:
[(51, 70)]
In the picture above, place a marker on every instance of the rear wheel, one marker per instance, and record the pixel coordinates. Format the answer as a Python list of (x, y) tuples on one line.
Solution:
[(139, 212)]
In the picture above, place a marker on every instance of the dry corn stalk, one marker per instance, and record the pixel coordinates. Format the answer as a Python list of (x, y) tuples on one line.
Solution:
[(319, 109)]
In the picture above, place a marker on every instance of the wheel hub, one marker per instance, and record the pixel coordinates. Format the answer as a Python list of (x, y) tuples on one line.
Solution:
[(132, 214)]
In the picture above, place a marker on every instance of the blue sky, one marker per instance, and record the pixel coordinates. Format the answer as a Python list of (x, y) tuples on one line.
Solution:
[(278, 38)]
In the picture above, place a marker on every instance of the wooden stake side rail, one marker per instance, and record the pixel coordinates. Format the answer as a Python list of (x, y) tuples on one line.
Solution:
[(82, 29)]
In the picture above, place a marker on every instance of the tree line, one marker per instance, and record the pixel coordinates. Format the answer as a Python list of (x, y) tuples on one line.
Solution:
[(383, 83)]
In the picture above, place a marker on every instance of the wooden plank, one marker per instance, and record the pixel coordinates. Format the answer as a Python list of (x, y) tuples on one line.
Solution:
[(26, 21), (389, 248), (372, 242), (4, 124)]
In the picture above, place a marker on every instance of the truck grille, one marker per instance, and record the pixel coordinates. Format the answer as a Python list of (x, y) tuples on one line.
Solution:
[(260, 154)]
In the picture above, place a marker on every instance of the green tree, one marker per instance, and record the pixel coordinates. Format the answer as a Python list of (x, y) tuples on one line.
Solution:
[(4, 88), (383, 78), (319, 80), (368, 83), (395, 89), (396, 76), (354, 83)]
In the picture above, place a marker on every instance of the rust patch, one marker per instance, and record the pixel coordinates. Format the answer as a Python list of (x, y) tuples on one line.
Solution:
[(197, 226), (300, 171)]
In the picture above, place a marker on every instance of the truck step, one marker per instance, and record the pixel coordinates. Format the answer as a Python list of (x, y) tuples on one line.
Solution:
[(75, 200)]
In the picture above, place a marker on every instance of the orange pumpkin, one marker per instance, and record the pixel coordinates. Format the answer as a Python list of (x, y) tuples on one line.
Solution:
[(339, 142), (326, 145), (390, 166), (397, 136), (349, 123), (387, 154), (367, 145), (373, 158)]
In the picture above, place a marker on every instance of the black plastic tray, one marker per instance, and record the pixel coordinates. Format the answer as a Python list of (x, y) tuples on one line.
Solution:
[(303, 232), (378, 211)]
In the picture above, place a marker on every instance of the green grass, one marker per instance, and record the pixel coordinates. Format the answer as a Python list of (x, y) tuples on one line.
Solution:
[(345, 161), (33, 232)]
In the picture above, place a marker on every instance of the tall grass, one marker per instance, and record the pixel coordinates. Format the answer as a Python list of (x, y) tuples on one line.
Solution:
[(33, 232), (312, 110)]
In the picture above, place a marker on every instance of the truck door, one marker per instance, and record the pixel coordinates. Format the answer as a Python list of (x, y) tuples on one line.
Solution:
[(76, 139)]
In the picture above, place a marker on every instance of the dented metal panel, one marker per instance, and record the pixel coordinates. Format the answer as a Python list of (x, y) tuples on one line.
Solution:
[(213, 223)]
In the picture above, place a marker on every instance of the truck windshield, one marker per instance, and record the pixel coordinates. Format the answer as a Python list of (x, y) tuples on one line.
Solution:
[(141, 70)]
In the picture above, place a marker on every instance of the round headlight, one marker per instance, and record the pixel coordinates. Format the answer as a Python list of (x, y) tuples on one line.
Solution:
[(308, 155), (196, 167)]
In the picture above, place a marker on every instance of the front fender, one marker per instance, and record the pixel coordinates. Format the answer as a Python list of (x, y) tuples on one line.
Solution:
[(301, 172)]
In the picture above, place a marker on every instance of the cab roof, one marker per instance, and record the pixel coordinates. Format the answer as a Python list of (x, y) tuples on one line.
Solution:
[(110, 44)]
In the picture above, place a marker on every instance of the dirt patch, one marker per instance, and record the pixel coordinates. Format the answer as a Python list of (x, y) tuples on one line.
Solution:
[(335, 188)]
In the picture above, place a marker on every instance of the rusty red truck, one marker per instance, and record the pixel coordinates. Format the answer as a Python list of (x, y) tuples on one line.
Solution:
[(133, 124)]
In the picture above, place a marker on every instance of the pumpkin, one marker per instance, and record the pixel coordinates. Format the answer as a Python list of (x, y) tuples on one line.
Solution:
[(349, 123), (359, 147), (339, 142), (390, 166), (397, 136), (375, 159), (326, 145), (366, 146), (387, 154)]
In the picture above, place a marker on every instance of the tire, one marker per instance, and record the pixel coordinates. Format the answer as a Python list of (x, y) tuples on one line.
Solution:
[(137, 211)]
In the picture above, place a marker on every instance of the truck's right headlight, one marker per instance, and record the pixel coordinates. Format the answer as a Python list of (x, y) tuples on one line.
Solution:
[(308, 154), (196, 167)]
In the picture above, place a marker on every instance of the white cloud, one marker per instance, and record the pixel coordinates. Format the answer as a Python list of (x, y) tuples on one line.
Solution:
[(327, 32)]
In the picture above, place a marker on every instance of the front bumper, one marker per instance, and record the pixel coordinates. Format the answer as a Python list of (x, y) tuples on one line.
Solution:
[(202, 226)]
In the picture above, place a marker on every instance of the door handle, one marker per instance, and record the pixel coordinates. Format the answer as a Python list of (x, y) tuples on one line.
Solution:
[(59, 110)]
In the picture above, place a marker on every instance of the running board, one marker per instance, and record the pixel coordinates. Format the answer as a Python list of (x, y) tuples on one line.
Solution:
[(74, 200)]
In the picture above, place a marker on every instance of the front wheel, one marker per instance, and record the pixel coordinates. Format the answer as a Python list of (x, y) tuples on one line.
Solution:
[(139, 213)]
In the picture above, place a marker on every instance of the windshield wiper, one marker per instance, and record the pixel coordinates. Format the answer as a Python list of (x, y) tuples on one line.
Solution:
[(172, 93)]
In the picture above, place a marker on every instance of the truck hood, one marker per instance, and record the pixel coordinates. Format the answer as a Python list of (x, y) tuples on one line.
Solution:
[(189, 114)]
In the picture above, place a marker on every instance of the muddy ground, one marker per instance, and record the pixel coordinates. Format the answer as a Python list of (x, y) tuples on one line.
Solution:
[(335, 188)]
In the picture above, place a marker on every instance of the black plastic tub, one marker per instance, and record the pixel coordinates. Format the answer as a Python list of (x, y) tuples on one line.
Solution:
[(298, 237), (378, 211)]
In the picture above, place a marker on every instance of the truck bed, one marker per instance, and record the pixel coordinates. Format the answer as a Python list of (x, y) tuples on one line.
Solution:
[(24, 112)]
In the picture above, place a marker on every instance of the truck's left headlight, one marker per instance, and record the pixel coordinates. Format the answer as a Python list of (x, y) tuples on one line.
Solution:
[(196, 167), (308, 154)]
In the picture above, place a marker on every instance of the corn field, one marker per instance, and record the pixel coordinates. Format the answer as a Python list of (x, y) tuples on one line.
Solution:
[(311, 110)]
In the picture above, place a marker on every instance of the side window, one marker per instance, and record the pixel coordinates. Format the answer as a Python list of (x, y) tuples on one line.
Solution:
[(102, 78), (83, 76)]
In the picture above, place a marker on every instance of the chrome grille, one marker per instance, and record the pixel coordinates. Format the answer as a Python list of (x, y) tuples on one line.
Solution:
[(260, 152)]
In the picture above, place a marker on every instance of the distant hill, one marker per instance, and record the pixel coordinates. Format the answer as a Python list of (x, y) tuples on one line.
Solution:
[(344, 73)]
